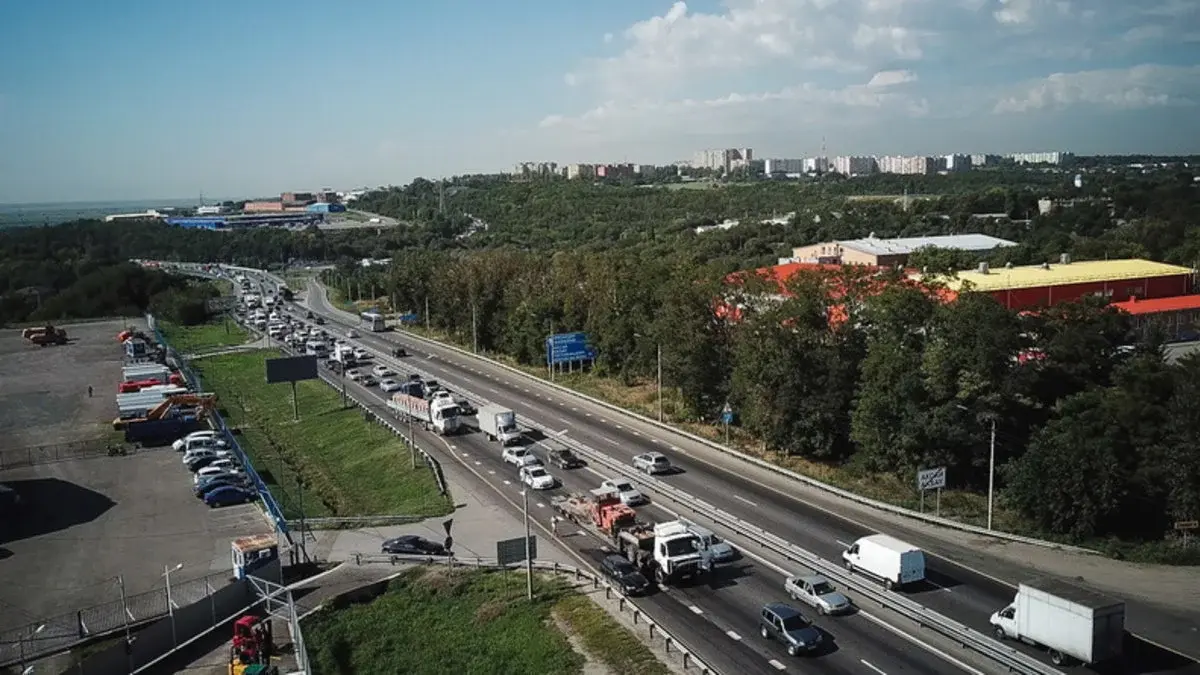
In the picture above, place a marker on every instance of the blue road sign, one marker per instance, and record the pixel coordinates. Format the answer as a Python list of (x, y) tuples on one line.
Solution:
[(727, 414), (410, 317), (566, 347)]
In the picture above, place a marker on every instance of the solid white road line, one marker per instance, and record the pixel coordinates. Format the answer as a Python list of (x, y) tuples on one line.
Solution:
[(733, 635), (743, 499), (842, 543), (867, 664)]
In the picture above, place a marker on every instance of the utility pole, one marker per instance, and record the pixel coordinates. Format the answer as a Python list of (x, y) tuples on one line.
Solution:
[(991, 475), (343, 371), (427, 313), (303, 530), (528, 552), (660, 384), (474, 331), (412, 443)]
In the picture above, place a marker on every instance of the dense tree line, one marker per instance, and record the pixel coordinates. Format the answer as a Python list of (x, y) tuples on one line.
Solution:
[(902, 382)]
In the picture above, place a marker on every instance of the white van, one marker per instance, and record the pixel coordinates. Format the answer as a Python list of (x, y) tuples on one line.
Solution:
[(316, 348), (888, 559), (202, 442)]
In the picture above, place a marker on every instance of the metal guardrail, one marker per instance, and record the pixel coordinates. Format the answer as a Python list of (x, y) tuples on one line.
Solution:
[(960, 633), (13, 458), (339, 522), (671, 643), (812, 482)]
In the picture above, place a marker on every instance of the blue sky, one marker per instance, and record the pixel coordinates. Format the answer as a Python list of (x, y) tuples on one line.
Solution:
[(136, 99)]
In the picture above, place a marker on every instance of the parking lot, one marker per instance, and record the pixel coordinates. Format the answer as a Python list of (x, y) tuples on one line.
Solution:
[(83, 522)]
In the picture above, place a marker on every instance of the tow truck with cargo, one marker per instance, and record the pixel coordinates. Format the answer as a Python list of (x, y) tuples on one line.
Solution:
[(439, 415), (667, 552)]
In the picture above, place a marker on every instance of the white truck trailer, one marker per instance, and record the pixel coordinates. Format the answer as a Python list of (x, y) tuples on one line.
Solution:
[(438, 415), (1070, 622), (498, 424)]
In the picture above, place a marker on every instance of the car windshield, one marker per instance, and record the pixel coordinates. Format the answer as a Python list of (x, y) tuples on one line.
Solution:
[(537, 473), (797, 622), (624, 568), (823, 588), (660, 460), (681, 546), (624, 487)]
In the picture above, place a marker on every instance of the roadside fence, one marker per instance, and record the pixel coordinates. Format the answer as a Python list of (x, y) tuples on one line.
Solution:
[(13, 458), (674, 648), (62, 632)]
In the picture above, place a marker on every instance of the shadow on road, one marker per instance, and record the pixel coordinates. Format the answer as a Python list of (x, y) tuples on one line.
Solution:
[(49, 505)]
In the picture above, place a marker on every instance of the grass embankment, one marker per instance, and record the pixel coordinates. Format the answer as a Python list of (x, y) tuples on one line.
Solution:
[(203, 337), (348, 466), (436, 620)]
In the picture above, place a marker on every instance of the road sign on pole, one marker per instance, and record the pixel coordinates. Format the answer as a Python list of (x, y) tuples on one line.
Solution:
[(567, 347), (931, 479)]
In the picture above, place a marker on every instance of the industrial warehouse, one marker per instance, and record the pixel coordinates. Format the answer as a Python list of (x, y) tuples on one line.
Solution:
[(1155, 294), (292, 209)]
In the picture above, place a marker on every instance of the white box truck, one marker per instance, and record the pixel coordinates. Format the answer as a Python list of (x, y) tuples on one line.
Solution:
[(1069, 622), (888, 559), (498, 424), (439, 416)]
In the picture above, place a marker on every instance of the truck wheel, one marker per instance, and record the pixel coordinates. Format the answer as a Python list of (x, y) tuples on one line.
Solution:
[(998, 632), (660, 577), (1057, 658), (887, 584)]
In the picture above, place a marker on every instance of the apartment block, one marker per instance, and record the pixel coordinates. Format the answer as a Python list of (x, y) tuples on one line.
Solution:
[(981, 160), (1040, 157), (535, 169), (908, 165), (816, 164), (577, 171), (958, 163), (855, 166), (726, 159), (784, 166)]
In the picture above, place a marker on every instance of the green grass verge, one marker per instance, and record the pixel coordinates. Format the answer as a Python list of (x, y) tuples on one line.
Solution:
[(349, 467), (437, 620), (203, 337)]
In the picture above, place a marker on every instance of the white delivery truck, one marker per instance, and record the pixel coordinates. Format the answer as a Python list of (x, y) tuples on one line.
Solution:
[(1070, 622), (498, 424), (438, 415), (888, 559)]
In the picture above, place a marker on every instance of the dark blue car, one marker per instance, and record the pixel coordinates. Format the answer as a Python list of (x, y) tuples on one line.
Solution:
[(207, 486), (227, 496)]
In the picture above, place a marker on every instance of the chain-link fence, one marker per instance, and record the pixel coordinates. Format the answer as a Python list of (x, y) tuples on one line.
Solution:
[(58, 633), (12, 458)]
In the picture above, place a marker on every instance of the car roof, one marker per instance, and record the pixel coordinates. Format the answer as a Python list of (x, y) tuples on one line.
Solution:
[(781, 610), (655, 455), (615, 559), (813, 579)]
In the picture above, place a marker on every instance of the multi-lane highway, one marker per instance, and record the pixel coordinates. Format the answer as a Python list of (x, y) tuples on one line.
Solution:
[(718, 617), (954, 591)]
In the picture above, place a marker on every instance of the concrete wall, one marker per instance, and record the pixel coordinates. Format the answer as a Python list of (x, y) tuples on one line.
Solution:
[(156, 639)]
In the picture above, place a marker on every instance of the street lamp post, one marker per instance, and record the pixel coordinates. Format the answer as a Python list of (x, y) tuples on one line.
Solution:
[(170, 601), (991, 474), (660, 383)]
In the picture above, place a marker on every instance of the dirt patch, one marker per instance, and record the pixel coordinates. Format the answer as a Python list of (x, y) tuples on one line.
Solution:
[(441, 578), (489, 611), (591, 665)]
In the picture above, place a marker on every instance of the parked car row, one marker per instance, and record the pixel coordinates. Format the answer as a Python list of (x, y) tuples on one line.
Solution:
[(218, 478)]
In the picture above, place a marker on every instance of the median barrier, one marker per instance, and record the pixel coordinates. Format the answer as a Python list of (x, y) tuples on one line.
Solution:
[(812, 482), (672, 645)]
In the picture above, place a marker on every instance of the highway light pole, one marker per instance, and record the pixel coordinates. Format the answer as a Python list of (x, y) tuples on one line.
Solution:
[(660, 383), (474, 331), (991, 474), (170, 601), (528, 552)]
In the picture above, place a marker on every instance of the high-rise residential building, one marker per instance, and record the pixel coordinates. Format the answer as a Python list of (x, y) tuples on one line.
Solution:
[(958, 163), (981, 160), (535, 169), (726, 159), (816, 164), (783, 166), (575, 171), (908, 165), (1040, 157), (855, 166)]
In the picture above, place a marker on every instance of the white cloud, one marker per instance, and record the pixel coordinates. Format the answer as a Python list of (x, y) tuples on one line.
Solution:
[(891, 78), (608, 38), (680, 46), (1014, 12), (1144, 86)]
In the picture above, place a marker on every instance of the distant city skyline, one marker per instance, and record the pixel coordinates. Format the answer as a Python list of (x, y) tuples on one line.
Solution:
[(143, 98)]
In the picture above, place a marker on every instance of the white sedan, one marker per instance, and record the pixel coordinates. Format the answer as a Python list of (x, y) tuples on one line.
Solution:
[(630, 496), (520, 457), (383, 371), (536, 477), (389, 385)]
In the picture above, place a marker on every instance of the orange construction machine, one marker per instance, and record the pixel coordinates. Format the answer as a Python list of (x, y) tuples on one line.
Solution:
[(603, 509)]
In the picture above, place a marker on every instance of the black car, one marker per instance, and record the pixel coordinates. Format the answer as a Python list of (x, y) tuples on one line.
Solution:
[(624, 575), (308, 315), (564, 459), (399, 352), (411, 544), (320, 320)]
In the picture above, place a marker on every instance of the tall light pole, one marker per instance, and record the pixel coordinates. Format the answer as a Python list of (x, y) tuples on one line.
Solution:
[(474, 331), (660, 383), (170, 602), (991, 474), (528, 551)]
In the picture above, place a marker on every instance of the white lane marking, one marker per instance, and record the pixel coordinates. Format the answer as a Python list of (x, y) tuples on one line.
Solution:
[(636, 433), (508, 482), (574, 408), (541, 505), (695, 609), (564, 431), (605, 548), (867, 664), (494, 390), (565, 420), (777, 665), (610, 440), (492, 471), (605, 420), (743, 499), (588, 414), (454, 446), (465, 454), (525, 389), (733, 635), (618, 426), (655, 440), (940, 588), (675, 448), (478, 463), (842, 543)]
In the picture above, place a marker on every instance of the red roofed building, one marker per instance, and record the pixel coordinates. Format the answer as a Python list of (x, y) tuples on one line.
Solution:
[(1179, 316)]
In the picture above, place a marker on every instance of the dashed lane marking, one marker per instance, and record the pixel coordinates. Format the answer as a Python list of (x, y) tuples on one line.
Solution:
[(842, 543), (508, 482), (492, 471), (588, 414), (868, 664), (565, 420), (540, 505), (636, 433), (574, 408), (618, 426), (494, 390), (732, 635), (743, 499), (610, 440), (695, 609), (777, 665), (655, 440), (478, 463), (675, 448)]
